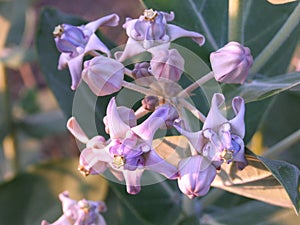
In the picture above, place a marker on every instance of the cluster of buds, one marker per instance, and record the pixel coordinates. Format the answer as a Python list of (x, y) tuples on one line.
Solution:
[(83, 212), (129, 151)]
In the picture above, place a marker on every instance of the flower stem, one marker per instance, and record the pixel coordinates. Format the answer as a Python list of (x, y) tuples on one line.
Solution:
[(128, 72), (192, 109), (283, 145), (235, 23), (186, 92), (12, 153), (281, 36), (137, 88)]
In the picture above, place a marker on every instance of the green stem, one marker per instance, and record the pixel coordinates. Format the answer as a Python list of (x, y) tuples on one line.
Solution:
[(235, 20), (192, 109), (137, 88), (187, 91), (281, 36), (283, 145), (8, 118)]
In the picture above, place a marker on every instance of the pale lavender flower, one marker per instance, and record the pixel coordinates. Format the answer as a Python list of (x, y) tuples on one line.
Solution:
[(152, 29), (83, 212), (75, 41), (196, 174), (231, 64), (129, 151), (221, 140), (103, 75)]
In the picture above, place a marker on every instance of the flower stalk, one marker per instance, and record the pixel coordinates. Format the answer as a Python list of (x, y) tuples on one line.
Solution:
[(235, 23)]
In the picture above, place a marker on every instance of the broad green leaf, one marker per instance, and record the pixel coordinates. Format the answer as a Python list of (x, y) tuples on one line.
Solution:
[(272, 181), (32, 196), (149, 204), (43, 124), (251, 213), (259, 89)]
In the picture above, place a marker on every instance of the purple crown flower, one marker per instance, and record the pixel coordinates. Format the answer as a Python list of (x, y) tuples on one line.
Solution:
[(75, 41)]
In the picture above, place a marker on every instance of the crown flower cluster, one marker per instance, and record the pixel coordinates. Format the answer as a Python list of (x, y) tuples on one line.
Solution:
[(129, 150)]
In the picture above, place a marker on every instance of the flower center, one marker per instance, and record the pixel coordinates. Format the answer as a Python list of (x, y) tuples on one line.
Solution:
[(58, 31), (83, 170), (227, 155), (119, 161), (150, 15)]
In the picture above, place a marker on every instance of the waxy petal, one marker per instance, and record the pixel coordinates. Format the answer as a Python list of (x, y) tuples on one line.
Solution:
[(94, 161), (111, 20), (155, 163), (76, 130), (95, 44), (133, 180), (132, 48), (215, 118), (147, 129), (117, 127), (75, 68), (63, 220), (195, 138), (238, 123), (177, 32)]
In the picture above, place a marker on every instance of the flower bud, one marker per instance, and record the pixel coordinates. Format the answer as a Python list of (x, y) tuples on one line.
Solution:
[(231, 63), (195, 176), (103, 75), (150, 102), (142, 74), (167, 64)]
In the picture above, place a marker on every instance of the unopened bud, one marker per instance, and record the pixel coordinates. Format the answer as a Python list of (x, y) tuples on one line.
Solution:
[(231, 63), (150, 102)]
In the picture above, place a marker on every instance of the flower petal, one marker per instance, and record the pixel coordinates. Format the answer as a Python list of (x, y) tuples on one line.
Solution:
[(238, 123), (111, 20), (133, 180), (75, 68), (195, 138), (147, 129), (177, 32), (95, 43), (76, 130), (215, 118), (155, 163), (94, 161), (118, 129), (132, 48)]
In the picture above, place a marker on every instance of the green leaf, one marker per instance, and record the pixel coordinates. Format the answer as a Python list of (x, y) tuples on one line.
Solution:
[(43, 124), (262, 88), (33, 196), (271, 181), (251, 213), (148, 205)]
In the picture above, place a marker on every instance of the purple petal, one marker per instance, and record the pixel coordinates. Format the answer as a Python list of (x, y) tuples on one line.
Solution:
[(63, 220), (215, 118), (147, 129), (238, 123), (195, 138), (155, 163), (239, 156), (95, 43), (133, 180), (132, 48), (177, 32), (63, 61), (75, 68), (111, 20), (76, 130), (94, 161), (117, 127)]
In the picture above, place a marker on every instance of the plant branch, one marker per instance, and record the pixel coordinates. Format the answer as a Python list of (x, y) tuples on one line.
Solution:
[(235, 23), (137, 88)]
